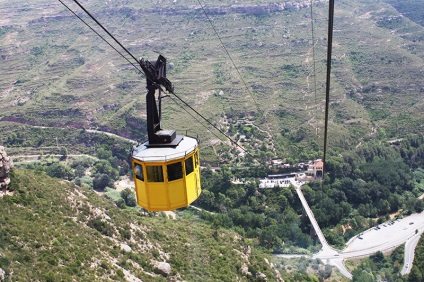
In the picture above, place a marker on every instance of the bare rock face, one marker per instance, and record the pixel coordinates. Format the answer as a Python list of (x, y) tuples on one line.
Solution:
[(6, 164)]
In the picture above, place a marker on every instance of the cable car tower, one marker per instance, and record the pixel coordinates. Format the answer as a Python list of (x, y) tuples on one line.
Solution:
[(167, 167)]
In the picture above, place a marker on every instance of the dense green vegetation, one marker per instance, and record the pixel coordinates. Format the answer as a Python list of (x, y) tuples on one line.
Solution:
[(417, 270), (364, 187), (379, 267), (90, 160), (270, 215)]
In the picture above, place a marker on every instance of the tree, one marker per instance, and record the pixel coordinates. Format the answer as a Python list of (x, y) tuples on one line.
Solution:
[(79, 171), (101, 181), (378, 258), (207, 200), (104, 166), (415, 275), (128, 196), (103, 153), (64, 153), (101, 226), (269, 237), (60, 171), (361, 275), (326, 273)]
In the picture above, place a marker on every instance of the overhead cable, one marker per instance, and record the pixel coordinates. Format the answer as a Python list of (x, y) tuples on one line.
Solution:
[(113, 47), (214, 126), (327, 90), (314, 66), (228, 53), (99, 24)]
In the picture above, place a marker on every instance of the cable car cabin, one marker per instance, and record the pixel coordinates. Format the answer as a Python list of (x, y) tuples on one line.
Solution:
[(167, 178), (167, 167)]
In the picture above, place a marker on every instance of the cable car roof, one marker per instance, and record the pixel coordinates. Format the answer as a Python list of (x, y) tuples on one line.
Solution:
[(161, 154)]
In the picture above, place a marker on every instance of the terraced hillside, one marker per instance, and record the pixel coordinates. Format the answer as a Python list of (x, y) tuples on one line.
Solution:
[(56, 72)]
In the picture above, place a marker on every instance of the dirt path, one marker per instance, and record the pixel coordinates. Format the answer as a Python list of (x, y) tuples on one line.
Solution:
[(88, 130)]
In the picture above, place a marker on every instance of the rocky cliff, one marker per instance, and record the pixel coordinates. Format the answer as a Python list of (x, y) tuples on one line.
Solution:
[(6, 164)]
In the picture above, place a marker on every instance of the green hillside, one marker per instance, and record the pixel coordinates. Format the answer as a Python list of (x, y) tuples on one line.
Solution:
[(56, 72), (253, 68), (52, 230)]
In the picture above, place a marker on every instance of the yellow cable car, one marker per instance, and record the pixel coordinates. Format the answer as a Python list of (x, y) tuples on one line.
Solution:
[(167, 167)]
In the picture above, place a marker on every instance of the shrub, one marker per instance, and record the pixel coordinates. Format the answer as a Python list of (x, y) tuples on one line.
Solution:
[(101, 226)]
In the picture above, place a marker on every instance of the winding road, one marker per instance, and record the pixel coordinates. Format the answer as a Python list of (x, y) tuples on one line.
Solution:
[(382, 238)]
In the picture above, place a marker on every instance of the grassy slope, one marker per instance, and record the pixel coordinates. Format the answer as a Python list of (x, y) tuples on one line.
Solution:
[(46, 235)]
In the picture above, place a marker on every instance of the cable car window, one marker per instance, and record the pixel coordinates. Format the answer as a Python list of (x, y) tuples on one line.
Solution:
[(139, 172), (196, 158), (189, 165), (175, 171), (154, 173)]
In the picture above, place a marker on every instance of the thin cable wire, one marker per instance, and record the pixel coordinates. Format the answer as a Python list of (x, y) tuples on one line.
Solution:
[(228, 54), (327, 91), (75, 14), (175, 102), (99, 24), (234, 142)]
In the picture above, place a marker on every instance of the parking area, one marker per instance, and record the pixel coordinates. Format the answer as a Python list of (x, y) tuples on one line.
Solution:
[(388, 234)]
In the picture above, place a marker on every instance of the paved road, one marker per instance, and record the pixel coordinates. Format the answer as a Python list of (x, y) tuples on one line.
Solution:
[(318, 231), (327, 252), (410, 252), (387, 236)]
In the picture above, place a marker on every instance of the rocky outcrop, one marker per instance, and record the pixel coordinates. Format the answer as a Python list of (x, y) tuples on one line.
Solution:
[(162, 267), (6, 164), (259, 9)]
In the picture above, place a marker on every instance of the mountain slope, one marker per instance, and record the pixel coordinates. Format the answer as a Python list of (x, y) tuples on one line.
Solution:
[(57, 72), (53, 230)]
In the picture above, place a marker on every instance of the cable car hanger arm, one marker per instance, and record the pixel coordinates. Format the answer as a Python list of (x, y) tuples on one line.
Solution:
[(155, 78)]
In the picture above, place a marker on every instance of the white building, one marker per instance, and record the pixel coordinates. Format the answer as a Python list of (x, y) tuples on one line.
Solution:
[(279, 180)]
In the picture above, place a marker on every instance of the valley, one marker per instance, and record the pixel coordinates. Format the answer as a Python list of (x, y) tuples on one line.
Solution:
[(256, 71)]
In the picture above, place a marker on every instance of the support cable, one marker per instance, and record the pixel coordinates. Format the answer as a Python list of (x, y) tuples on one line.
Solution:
[(314, 67), (228, 54), (99, 24), (190, 114), (327, 92), (214, 126), (108, 43)]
